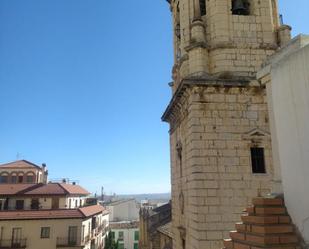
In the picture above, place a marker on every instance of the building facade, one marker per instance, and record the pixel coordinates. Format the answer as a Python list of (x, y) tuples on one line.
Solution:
[(36, 214), (23, 172), (64, 228), (153, 227), (221, 151), (124, 222), (126, 233), (123, 210)]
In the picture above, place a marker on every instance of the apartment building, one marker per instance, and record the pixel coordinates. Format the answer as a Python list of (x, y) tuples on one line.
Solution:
[(47, 215)]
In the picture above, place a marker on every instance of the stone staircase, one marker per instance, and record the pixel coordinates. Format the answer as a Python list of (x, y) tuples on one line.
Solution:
[(266, 224)]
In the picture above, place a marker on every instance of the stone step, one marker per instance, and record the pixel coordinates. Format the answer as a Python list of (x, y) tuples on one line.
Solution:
[(239, 245), (276, 219), (268, 202), (263, 240), (269, 210), (265, 225), (264, 229), (228, 244)]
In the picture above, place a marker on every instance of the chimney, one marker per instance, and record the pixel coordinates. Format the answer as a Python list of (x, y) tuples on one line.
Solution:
[(64, 180), (45, 173)]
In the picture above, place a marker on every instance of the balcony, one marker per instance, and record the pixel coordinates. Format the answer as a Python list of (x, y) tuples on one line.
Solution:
[(69, 242), (13, 244)]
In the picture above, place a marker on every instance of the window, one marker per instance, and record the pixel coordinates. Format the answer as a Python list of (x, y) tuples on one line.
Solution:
[(19, 204), (72, 236), (113, 235), (16, 238), (4, 179), (241, 7), (35, 203), (45, 232), (258, 160), (179, 156), (83, 233), (135, 245), (120, 246), (120, 235), (203, 7), (20, 179), (30, 178), (70, 203), (14, 179), (76, 201), (136, 235)]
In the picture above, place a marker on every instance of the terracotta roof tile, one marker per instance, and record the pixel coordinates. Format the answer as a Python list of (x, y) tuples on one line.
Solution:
[(80, 213), (13, 189), (92, 210), (20, 164), (47, 189), (41, 214), (74, 189), (42, 189)]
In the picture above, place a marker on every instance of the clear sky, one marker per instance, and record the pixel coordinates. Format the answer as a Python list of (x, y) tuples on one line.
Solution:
[(83, 84)]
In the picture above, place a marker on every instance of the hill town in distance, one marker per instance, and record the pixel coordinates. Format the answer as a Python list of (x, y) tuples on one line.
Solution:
[(239, 149)]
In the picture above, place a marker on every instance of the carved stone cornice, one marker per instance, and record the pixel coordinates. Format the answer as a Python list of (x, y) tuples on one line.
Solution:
[(176, 109)]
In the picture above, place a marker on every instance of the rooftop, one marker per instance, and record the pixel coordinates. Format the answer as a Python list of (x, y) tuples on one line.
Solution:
[(80, 213), (166, 229), (42, 189), (21, 164), (115, 203), (124, 225)]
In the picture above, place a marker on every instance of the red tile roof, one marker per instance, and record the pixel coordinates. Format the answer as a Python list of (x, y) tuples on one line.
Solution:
[(13, 189), (80, 213), (21, 164), (42, 189), (40, 214), (47, 189), (74, 189), (91, 210)]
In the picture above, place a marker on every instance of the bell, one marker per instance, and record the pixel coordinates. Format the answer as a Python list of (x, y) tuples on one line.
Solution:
[(239, 7)]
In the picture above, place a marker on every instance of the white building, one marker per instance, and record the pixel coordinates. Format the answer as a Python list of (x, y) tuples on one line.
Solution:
[(123, 210), (286, 76), (126, 233), (124, 224)]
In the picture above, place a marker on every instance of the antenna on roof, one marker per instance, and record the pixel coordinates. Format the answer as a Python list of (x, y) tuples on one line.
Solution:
[(18, 156), (102, 193)]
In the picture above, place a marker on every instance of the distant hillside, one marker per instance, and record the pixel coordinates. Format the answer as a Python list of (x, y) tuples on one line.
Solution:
[(164, 197)]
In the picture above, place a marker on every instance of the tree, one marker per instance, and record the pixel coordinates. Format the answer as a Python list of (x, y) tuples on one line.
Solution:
[(110, 242)]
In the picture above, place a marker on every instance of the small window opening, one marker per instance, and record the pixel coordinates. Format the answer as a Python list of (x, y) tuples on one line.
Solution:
[(183, 244), (179, 156), (241, 7), (203, 7), (20, 179), (258, 160)]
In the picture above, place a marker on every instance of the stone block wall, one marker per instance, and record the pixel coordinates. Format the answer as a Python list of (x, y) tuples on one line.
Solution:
[(216, 128)]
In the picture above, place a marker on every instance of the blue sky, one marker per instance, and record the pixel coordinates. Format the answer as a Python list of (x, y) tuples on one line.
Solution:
[(83, 84)]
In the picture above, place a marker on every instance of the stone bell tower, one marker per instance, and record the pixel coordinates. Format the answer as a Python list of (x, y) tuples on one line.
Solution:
[(219, 126)]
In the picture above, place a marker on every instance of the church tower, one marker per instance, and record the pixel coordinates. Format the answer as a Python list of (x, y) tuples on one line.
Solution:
[(219, 126)]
